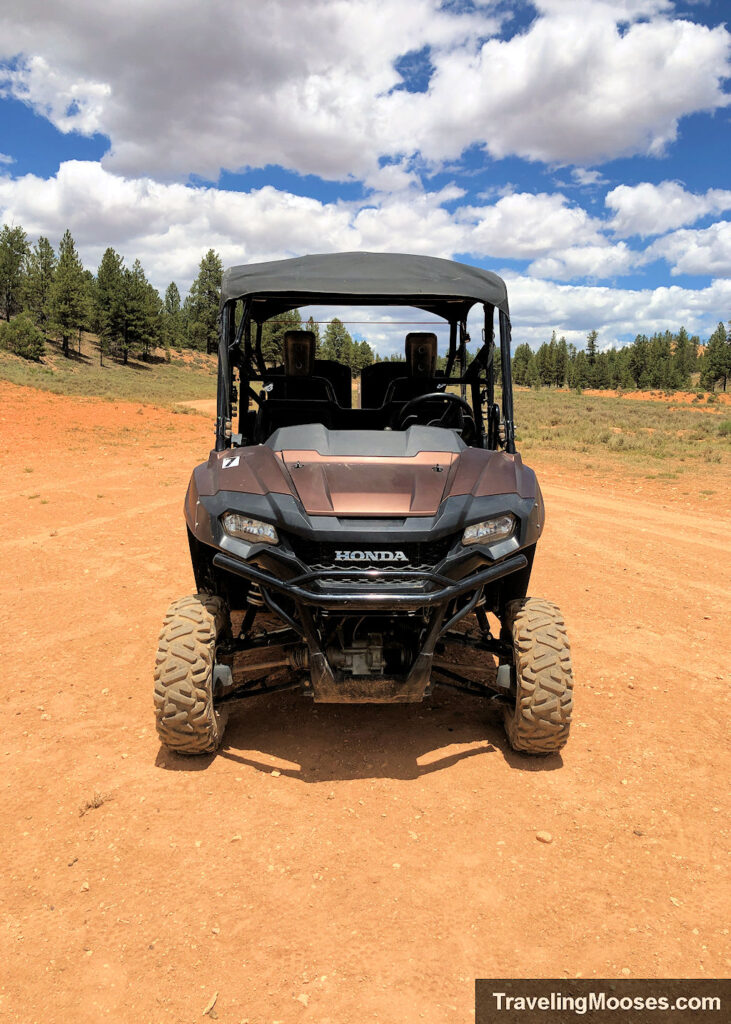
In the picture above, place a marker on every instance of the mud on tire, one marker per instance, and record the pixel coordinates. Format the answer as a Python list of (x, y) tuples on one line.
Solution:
[(185, 717), (540, 720)]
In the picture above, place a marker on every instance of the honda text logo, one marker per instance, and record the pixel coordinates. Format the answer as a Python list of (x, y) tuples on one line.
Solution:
[(370, 556)]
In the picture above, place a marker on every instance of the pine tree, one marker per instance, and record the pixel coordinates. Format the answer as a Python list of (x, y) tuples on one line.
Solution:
[(685, 353), (272, 336), (205, 298), (660, 360), (142, 308), (110, 315), (13, 254), (639, 360), (186, 318), (338, 344), (522, 362), (171, 323), (39, 275), (154, 310), (311, 325), (582, 371), (89, 303), (591, 354), (716, 362), (362, 356), (601, 376), (68, 293), (544, 363), (622, 370), (22, 337), (561, 363)]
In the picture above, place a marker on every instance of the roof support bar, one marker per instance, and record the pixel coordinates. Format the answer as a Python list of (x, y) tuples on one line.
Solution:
[(257, 348), (507, 383), (226, 339), (490, 343), (452, 348), (463, 339)]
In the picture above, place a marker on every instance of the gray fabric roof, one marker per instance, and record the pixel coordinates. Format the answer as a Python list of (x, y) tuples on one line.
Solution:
[(375, 278)]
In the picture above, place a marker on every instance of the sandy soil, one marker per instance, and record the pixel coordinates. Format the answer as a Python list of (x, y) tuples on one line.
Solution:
[(723, 398), (393, 858), (205, 406)]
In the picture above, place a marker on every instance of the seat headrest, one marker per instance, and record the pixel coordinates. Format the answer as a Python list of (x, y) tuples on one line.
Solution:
[(421, 353), (299, 353)]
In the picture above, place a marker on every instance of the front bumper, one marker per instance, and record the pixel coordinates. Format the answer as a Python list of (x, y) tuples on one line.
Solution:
[(376, 590), (366, 590)]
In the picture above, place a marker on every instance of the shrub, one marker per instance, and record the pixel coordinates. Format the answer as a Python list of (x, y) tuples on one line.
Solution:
[(724, 428), (22, 337)]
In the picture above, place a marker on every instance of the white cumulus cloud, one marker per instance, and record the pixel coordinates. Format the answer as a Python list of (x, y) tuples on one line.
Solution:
[(524, 225), (593, 261), (573, 88), (186, 88), (648, 209), (573, 310), (588, 179), (70, 103), (706, 251), (168, 225)]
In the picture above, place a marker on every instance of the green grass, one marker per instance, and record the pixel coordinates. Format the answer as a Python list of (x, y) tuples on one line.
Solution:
[(158, 383), (647, 432)]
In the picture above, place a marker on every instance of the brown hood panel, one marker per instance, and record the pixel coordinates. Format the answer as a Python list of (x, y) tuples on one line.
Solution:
[(361, 485), (335, 485), (255, 470), (482, 473)]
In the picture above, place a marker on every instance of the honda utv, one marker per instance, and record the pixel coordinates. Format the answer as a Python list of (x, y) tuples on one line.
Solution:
[(369, 551)]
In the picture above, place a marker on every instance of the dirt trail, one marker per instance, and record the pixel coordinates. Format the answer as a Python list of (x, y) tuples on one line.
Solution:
[(394, 857)]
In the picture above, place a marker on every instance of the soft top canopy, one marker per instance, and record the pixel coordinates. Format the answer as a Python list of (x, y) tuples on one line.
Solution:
[(443, 287)]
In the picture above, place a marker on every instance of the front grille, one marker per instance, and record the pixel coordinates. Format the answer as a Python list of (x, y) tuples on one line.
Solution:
[(318, 555)]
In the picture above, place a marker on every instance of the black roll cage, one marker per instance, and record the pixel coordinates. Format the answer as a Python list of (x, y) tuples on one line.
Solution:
[(235, 350)]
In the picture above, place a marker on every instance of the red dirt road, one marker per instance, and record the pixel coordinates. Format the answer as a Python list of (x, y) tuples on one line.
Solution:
[(394, 857)]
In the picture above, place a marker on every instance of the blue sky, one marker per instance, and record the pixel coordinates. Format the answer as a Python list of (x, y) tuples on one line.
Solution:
[(580, 149)]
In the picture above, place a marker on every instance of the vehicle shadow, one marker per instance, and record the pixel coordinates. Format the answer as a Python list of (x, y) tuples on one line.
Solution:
[(332, 742)]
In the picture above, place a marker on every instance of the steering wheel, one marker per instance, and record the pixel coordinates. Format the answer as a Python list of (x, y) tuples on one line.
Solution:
[(457, 414)]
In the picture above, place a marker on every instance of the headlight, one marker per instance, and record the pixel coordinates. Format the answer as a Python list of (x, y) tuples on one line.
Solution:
[(492, 530), (252, 530)]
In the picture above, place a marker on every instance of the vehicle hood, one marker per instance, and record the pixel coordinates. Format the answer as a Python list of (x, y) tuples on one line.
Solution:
[(365, 485)]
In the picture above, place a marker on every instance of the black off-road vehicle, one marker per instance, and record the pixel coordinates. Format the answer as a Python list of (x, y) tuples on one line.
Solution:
[(345, 550)]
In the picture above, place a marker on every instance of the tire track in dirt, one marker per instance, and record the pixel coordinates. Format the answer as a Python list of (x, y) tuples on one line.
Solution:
[(656, 544), (703, 530), (86, 526)]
